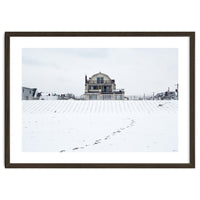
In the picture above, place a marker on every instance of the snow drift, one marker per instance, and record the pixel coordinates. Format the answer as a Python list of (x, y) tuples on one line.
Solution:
[(100, 126)]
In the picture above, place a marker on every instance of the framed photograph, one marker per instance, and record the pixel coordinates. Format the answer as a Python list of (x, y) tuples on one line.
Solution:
[(99, 99)]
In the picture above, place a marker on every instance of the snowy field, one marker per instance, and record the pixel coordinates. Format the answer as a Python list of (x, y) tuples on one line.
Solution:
[(100, 126)]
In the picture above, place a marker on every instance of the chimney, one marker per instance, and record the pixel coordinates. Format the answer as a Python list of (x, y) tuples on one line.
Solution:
[(85, 78)]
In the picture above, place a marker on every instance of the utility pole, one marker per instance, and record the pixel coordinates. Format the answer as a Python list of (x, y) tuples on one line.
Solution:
[(177, 90)]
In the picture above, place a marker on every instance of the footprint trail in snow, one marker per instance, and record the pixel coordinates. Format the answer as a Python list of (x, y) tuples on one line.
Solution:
[(99, 141)]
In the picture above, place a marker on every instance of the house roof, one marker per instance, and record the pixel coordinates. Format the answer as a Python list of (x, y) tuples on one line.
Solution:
[(29, 88), (101, 74)]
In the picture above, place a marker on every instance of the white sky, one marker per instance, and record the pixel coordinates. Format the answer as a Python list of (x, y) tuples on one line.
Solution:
[(138, 71)]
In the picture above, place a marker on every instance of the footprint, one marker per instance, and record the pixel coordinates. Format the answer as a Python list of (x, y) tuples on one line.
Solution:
[(118, 131), (63, 151), (75, 148), (107, 137), (95, 143)]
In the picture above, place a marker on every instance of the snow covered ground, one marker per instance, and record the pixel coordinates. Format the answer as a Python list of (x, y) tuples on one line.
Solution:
[(99, 126)]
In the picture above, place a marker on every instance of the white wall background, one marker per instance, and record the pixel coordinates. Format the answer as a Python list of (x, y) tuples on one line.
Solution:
[(104, 15)]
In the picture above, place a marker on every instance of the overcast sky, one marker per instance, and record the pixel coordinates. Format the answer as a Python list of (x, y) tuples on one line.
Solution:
[(138, 71)]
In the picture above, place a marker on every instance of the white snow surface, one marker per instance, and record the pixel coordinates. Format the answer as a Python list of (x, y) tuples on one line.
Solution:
[(99, 126)]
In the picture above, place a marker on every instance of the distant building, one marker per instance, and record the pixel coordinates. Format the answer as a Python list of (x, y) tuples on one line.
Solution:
[(29, 93), (101, 87), (66, 96), (48, 96), (168, 95)]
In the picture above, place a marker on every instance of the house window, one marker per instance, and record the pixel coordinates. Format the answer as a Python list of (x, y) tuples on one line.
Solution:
[(106, 97), (93, 97), (93, 87), (106, 89), (118, 97), (100, 80)]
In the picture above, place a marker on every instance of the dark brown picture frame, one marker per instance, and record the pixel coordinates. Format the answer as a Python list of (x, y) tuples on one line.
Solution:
[(190, 35)]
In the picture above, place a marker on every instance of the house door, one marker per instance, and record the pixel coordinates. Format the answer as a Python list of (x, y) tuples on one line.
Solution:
[(106, 88)]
